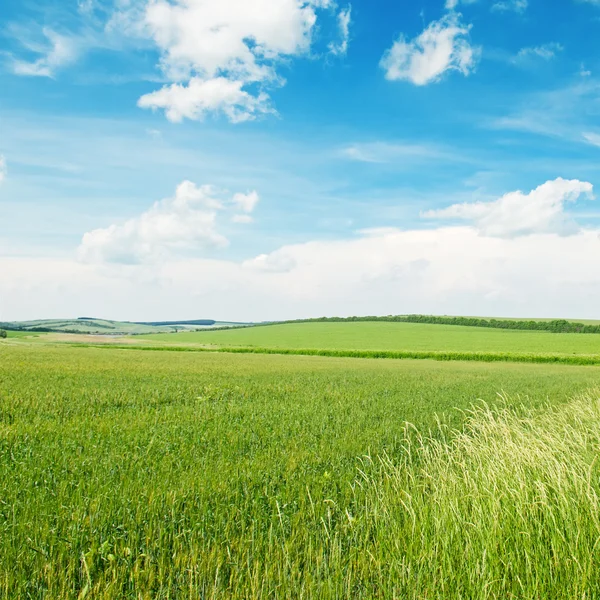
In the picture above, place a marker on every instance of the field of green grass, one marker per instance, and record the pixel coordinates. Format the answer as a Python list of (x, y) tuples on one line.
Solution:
[(22, 334), (142, 474), (391, 336)]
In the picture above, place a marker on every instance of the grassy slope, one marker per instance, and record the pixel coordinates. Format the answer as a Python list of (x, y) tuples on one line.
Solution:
[(392, 336), (141, 474)]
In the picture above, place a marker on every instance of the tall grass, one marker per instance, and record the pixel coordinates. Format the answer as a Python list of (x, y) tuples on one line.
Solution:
[(509, 507), (517, 357), (151, 475)]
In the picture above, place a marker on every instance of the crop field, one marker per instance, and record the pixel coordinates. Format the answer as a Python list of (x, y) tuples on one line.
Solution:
[(148, 474), (391, 336)]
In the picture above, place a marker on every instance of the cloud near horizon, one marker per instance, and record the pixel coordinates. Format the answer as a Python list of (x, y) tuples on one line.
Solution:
[(185, 223), (456, 269), (450, 270)]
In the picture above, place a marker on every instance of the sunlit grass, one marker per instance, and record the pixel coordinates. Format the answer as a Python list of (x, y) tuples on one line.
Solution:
[(195, 475), (407, 337)]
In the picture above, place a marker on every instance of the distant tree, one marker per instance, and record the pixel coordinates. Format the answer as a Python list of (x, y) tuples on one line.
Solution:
[(3, 333)]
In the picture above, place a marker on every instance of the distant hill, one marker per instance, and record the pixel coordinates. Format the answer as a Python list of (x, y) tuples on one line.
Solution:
[(91, 325)]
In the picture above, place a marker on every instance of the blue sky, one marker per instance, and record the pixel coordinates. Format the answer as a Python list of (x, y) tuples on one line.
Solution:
[(256, 159)]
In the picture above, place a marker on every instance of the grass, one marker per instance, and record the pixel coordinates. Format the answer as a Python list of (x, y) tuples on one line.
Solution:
[(407, 337), (212, 475), (22, 334), (490, 357), (515, 497)]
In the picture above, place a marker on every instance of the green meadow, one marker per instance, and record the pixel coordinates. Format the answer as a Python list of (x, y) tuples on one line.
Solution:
[(22, 334), (149, 474), (389, 336)]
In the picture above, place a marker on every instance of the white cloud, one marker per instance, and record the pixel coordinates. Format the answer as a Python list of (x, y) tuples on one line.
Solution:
[(280, 261), (592, 138), (518, 214), (340, 48), (242, 219), (452, 4), (56, 52), (545, 52), (184, 223), (560, 113), (200, 96), (388, 152), (443, 46), (450, 270), (519, 6), (224, 53), (246, 202), (3, 168)]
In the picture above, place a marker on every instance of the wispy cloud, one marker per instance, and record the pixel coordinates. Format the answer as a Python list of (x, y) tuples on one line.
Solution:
[(518, 6), (544, 52), (340, 48), (453, 4), (592, 138), (386, 152), (55, 52), (3, 168), (561, 113)]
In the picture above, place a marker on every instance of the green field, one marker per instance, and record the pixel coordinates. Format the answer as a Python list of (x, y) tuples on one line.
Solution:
[(23, 334), (130, 474), (391, 336)]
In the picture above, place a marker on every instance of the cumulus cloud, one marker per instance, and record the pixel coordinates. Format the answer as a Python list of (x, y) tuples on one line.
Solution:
[(220, 56), (443, 46), (184, 223), (516, 214), (201, 96), (3, 168), (57, 51), (340, 48), (489, 267), (449, 270)]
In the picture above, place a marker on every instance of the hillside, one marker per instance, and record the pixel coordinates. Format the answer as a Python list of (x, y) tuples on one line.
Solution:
[(95, 326), (365, 335)]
